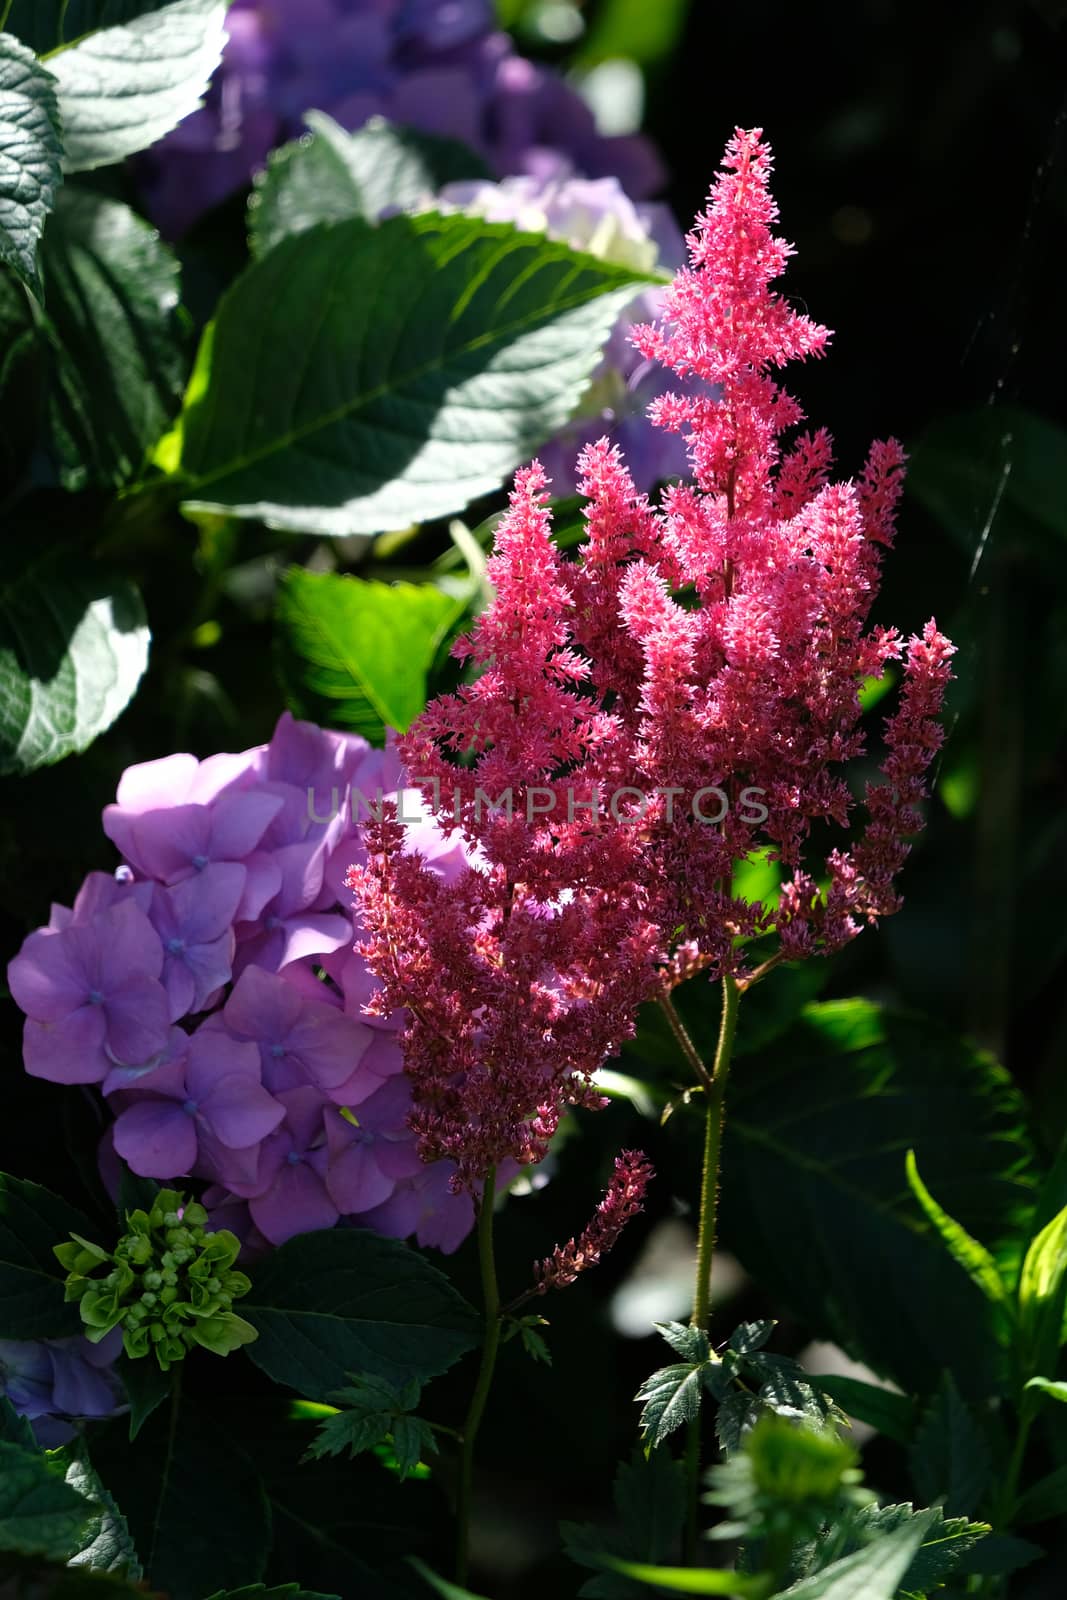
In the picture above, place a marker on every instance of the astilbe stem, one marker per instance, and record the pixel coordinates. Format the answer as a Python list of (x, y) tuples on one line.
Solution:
[(484, 1382)]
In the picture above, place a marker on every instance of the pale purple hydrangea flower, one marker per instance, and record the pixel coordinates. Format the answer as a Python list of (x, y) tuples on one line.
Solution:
[(210, 988), (596, 215), (441, 66), (55, 1383)]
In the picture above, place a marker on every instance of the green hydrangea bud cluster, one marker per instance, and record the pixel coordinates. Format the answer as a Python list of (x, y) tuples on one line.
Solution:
[(169, 1284)]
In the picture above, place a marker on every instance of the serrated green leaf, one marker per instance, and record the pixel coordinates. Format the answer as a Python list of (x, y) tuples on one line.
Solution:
[(111, 288), (412, 1439), (825, 1116), (1043, 1296), (890, 1413), (193, 1500), (32, 1220), (649, 1494), (40, 1515), (122, 88), (30, 149), (671, 1396), (331, 175), (950, 1457), (443, 351), (328, 1304), (749, 1336), (105, 1545), (259, 1591), (73, 648), (351, 1431), (690, 1343), (355, 654), (947, 1544), (967, 1252), (873, 1573)]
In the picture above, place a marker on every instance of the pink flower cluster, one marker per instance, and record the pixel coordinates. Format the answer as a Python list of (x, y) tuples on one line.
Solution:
[(719, 640), (622, 1202), (210, 990)]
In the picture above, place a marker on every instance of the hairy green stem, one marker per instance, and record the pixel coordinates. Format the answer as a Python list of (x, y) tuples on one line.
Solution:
[(490, 1346), (709, 1193)]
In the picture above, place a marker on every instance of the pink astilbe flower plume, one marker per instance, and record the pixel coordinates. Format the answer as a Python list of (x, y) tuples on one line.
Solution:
[(622, 1202), (680, 695)]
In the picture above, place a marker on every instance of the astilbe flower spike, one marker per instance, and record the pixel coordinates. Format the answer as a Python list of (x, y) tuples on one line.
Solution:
[(623, 1200), (681, 695)]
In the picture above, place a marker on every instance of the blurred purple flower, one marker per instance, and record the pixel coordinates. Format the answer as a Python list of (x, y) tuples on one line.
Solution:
[(438, 65), (56, 1382)]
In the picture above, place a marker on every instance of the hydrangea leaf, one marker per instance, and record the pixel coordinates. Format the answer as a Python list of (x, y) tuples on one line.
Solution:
[(348, 1301), (106, 1545), (115, 339), (30, 150), (146, 1386), (122, 88), (40, 1514), (73, 648), (196, 1508), (440, 353), (32, 1220), (330, 174), (14, 1428), (824, 1116), (355, 654)]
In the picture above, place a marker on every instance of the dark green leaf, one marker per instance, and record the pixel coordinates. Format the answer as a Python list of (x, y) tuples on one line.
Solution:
[(873, 1573), (30, 151), (73, 648), (650, 1502), (412, 1439), (997, 1553), (751, 1336), (690, 1343), (968, 1254), (355, 654), (194, 1503), (14, 1428), (112, 295), (443, 351), (36, 1580), (950, 1457), (146, 1386), (948, 1545), (105, 1545), (332, 175), (259, 1591), (44, 24), (121, 89), (671, 1396), (892, 1414), (31, 1281), (815, 1202), (328, 1304), (40, 1515), (1045, 1499)]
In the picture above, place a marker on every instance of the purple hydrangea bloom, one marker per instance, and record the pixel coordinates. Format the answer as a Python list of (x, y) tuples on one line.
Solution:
[(211, 988), (441, 66), (56, 1382), (596, 215)]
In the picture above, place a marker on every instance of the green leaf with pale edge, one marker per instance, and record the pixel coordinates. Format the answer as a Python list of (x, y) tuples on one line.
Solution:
[(122, 88), (873, 1573), (948, 1546), (73, 648), (439, 352), (1049, 1386), (46, 24), (105, 1544), (1043, 1296), (30, 149), (331, 175), (446, 1589), (671, 1396), (40, 1515), (890, 1413), (32, 1220), (973, 1257), (950, 1458), (355, 654), (349, 1301), (815, 1202), (112, 293), (691, 1580), (193, 1500)]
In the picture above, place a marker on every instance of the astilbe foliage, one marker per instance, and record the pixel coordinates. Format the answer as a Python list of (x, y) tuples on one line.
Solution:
[(715, 642)]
